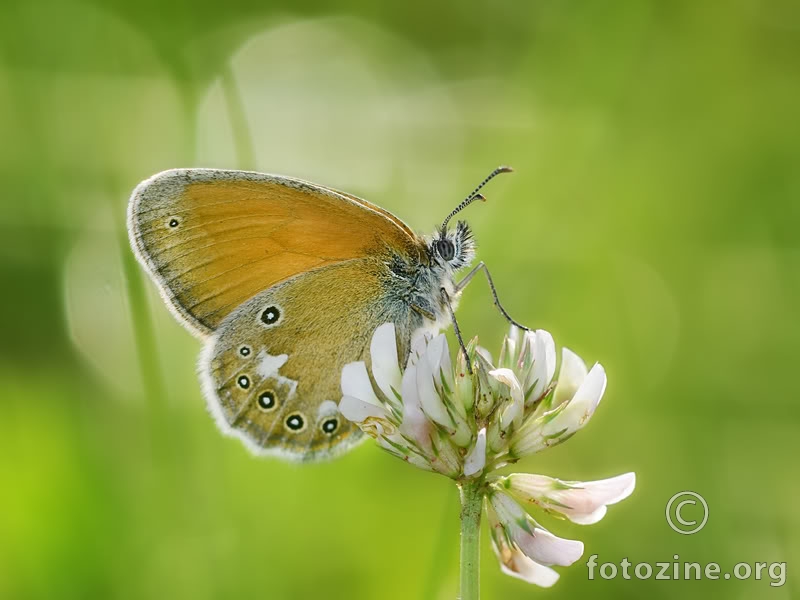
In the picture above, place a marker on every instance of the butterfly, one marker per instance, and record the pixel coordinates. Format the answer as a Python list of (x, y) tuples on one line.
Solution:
[(286, 281)]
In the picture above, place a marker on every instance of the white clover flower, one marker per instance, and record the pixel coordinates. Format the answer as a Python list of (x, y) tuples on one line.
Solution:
[(442, 418)]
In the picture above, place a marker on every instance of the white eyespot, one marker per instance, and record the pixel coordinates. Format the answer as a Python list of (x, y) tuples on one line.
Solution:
[(270, 315), (173, 222), (330, 425), (295, 422), (267, 401), (245, 351), (327, 417), (243, 381)]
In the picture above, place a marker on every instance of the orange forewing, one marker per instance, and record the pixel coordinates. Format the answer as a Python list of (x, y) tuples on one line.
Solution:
[(213, 239)]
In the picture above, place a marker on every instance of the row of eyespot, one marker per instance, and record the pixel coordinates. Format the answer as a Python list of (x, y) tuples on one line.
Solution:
[(267, 402)]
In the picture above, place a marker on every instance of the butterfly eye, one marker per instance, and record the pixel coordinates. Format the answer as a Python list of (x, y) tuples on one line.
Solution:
[(445, 249)]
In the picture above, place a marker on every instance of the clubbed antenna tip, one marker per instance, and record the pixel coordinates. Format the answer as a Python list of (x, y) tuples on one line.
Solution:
[(475, 195)]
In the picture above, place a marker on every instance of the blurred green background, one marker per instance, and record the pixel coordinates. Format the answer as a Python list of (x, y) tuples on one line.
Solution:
[(651, 224)]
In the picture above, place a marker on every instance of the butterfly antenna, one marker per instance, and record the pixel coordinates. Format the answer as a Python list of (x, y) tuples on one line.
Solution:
[(461, 207), (474, 195)]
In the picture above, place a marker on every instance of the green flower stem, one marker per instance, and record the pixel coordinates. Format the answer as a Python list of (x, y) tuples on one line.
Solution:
[(471, 505)]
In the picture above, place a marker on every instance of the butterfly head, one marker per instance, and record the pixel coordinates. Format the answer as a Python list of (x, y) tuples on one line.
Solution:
[(453, 249)]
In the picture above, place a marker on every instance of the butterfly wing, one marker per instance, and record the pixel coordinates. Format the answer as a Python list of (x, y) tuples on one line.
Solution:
[(287, 281), (213, 239), (271, 372)]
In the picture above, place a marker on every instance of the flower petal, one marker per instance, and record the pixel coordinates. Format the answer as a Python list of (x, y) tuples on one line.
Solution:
[(548, 549), (513, 413), (385, 365), (599, 494), (438, 357), (537, 362), (513, 561), (356, 382), (570, 377), (420, 339), (581, 502), (476, 459), (538, 544), (485, 354), (415, 425), (356, 410), (509, 349), (429, 398), (581, 407)]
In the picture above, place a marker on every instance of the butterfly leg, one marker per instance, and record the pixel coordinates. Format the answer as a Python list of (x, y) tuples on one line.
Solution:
[(481, 266), (456, 329)]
